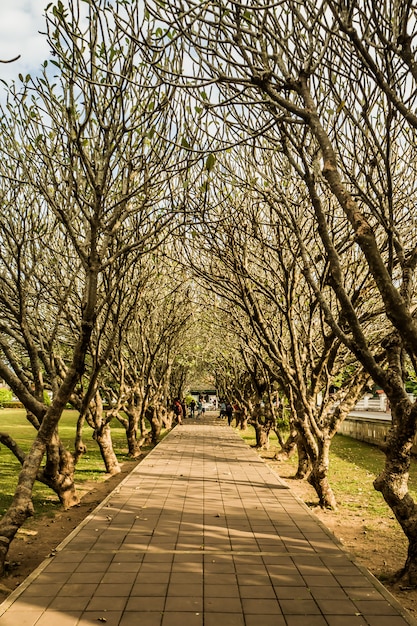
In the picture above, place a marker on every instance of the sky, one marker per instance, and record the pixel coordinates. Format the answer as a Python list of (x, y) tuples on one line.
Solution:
[(20, 21)]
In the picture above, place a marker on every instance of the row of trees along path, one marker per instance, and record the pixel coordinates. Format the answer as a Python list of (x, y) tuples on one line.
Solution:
[(219, 191)]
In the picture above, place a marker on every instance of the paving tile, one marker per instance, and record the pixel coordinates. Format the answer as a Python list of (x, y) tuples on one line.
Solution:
[(222, 591), (140, 604), (106, 604), (232, 619), (38, 591), (301, 607), (184, 604), (180, 619), (223, 605), (266, 620), (149, 590), (184, 590), (328, 593), (293, 593), (263, 606), (78, 589), (109, 618), (52, 618), (20, 618), (337, 607), (118, 578), (142, 619), (375, 607)]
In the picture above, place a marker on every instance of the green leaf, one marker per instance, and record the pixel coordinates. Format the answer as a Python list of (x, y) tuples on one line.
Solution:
[(210, 162)]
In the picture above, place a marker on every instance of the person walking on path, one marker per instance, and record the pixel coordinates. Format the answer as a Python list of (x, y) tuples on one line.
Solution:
[(192, 408), (177, 411), (229, 413)]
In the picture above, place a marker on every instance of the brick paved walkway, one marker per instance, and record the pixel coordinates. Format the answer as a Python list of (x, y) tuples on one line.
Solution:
[(201, 533)]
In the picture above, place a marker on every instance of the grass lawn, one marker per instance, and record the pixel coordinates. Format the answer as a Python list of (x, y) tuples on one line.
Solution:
[(90, 467), (353, 467)]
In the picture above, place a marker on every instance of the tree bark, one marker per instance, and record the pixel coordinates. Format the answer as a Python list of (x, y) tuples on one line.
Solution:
[(304, 464), (288, 447), (58, 472), (155, 422), (104, 440), (318, 477), (133, 414), (393, 480)]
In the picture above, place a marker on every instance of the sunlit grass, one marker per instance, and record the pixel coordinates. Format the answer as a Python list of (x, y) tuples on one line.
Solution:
[(354, 465), (89, 468)]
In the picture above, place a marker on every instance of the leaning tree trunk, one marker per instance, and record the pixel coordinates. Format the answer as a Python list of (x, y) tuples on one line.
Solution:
[(79, 446), (304, 464), (155, 422), (318, 476), (393, 480), (288, 447), (102, 435), (133, 414), (241, 417), (59, 471), (262, 435), (317, 451)]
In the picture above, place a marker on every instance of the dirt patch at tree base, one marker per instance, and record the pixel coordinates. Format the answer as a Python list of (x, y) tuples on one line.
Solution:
[(377, 544)]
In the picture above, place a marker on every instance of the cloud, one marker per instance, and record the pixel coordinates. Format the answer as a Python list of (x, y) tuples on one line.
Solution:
[(20, 23)]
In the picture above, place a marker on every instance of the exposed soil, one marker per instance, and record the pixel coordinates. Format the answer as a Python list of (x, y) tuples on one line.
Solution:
[(378, 544)]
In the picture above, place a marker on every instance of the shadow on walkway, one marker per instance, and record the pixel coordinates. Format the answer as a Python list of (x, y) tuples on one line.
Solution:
[(201, 533)]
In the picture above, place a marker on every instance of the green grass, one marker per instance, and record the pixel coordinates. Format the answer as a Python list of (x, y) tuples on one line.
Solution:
[(90, 466), (354, 465)]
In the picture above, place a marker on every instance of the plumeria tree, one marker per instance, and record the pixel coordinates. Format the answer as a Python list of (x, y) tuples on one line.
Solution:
[(86, 161)]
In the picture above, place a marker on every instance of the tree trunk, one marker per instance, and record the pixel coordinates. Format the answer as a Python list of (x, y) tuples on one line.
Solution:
[(103, 437), (79, 446), (393, 480), (262, 435), (288, 447), (304, 465), (133, 414), (102, 434), (165, 417), (318, 477), (58, 472), (241, 419), (155, 422)]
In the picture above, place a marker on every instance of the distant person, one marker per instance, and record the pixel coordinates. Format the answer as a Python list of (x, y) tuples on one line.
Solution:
[(222, 407), (229, 413), (199, 409), (177, 411), (192, 408)]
